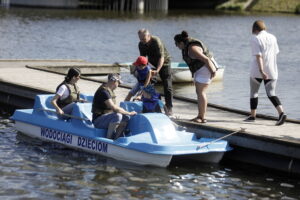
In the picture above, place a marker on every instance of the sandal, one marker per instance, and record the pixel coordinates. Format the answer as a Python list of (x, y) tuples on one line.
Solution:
[(195, 119), (198, 120)]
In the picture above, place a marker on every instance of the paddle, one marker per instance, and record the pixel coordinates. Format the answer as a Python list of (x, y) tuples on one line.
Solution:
[(230, 134), (66, 115)]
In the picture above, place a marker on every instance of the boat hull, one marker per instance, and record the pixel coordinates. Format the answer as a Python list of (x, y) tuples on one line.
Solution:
[(93, 145), (184, 75), (151, 139)]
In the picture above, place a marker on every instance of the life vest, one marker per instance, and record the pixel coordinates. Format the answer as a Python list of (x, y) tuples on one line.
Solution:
[(152, 104), (100, 109), (194, 64), (73, 95), (142, 74)]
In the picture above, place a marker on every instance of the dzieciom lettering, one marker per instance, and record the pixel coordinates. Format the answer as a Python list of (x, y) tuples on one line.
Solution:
[(55, 135), (92, 144)]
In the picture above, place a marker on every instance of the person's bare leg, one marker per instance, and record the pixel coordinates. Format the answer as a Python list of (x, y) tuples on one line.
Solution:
[(202, 100)]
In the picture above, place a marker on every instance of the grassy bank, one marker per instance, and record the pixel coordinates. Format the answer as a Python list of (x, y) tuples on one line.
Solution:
[(286, 6)]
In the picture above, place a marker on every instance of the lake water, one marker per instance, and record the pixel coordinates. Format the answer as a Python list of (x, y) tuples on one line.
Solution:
[(33, 170), (106, 37)]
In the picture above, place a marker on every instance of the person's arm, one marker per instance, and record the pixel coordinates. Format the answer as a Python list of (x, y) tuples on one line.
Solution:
[(149, 75), (260, 64), (109, 103), (54, 103), (196, 52), (159, 47), (160, 64)]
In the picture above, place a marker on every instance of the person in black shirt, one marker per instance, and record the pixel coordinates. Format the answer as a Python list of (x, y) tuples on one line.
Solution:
[(106, 113)]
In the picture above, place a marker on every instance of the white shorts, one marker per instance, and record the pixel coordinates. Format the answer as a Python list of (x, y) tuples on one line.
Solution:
[(202, 75)]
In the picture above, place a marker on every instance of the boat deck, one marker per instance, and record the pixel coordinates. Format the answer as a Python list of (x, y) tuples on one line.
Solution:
[(15, 73)]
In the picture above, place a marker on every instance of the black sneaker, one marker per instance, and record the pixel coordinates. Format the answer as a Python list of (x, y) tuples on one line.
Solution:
[(249, 119), (281, 119)]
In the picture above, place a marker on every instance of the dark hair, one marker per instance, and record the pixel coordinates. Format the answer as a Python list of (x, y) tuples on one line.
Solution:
[(258, 25), (181, 37), (71, 73)]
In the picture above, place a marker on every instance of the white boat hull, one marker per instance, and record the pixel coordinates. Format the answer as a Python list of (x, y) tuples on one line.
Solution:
[(184, 75), (94, 146)]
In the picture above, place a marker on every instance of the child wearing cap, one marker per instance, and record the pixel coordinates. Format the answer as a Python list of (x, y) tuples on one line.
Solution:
[(143, 75)]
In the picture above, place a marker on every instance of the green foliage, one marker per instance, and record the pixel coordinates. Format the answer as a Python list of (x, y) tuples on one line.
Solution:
[(298, 9)]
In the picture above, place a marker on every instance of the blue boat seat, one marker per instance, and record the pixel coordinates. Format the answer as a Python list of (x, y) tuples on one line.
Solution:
[(87, 97), (82, 113), (42, 105), (136, 106), (130, 106), (155, 127), (83, 118)]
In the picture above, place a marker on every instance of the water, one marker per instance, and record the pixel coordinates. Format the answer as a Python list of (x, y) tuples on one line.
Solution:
[(106, 37), (31, 169)]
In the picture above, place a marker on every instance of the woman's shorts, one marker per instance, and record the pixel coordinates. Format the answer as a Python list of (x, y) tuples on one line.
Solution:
[(202, 75)]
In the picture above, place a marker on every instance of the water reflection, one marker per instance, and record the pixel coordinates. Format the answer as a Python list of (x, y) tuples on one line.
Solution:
[(31, 169)]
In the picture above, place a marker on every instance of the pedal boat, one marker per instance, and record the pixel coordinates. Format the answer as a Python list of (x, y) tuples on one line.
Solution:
[(152, 138)]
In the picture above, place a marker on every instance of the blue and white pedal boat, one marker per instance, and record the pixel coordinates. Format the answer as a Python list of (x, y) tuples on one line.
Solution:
[(152, 138)]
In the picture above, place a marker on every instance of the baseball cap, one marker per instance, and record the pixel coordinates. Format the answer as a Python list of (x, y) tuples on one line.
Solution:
[(141, 60), (114, 77)]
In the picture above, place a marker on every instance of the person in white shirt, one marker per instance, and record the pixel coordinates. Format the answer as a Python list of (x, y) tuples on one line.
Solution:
[(67, 93), (264, 67)]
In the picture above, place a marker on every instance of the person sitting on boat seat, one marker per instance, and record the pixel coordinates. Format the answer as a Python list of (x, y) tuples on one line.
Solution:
[(106, 113), (67, 93), (151, 100), (142, 71)]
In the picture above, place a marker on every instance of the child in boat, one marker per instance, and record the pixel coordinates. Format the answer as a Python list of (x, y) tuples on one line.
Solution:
[(142, 72), (151, 100)]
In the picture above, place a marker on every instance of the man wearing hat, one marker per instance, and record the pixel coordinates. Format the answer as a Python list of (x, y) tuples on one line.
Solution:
[(143, 74), (106, 113)]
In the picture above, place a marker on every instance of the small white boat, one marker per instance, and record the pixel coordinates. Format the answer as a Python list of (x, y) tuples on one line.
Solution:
[(181, 73), (152, 138)]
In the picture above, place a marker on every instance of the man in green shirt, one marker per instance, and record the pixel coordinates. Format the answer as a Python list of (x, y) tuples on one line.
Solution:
[(151, 46)]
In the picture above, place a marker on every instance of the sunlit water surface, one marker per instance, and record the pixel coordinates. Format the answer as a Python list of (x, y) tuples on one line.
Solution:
[(30, 169), (107, 37)]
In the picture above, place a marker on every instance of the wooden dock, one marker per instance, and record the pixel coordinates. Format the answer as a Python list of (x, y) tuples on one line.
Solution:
[(262, 143)]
